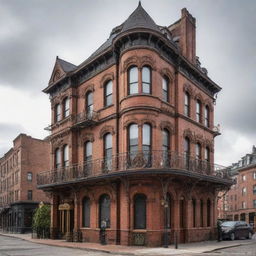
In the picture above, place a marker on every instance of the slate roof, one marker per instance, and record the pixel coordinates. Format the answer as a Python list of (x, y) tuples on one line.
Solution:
[(66, 66)]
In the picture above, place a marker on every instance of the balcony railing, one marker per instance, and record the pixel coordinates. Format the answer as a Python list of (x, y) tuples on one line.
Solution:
[(85, 119), (143, 160)]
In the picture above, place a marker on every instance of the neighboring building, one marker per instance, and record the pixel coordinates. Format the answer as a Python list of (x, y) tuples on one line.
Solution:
[(19, 195), (239, 203), (133, 139)]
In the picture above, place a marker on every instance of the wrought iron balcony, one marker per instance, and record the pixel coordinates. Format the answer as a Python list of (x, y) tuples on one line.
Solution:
[(135, 161), (86, 119)]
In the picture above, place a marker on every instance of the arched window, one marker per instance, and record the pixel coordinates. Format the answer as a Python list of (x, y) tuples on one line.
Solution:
[(166, 146), (133, 87), (208, 213), (198, 151), (104, 211), (89, 103), (207, 116), (165, 88), (140, 211), (202, 213), (146, 143), (133, 137), (194, 212), (187, 104), (57, 113), (207, 154), (186, 151), (86, 212), (57, 158), (65, 156), (108, 151), (146, 79), (198, 111), (108, 91), (66, 103)]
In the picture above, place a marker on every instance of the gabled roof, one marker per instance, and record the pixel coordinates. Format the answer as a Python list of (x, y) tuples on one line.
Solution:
[(139, 19), (66, 66)]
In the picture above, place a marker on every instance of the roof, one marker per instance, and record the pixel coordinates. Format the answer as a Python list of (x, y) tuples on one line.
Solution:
[(140, 19), (66, 66)]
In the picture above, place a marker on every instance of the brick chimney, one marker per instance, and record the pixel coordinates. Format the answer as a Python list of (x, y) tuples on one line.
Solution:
[(184, 33)]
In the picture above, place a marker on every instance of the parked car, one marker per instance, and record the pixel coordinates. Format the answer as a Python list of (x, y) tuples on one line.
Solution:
[(236, 230)]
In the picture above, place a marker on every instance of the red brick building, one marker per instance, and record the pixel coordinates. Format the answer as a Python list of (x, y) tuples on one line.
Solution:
[(19, 195), (133, 138), (239, 203)]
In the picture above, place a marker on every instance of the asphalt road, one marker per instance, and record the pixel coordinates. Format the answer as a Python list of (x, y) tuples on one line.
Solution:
[(248, 250), (10, 246)]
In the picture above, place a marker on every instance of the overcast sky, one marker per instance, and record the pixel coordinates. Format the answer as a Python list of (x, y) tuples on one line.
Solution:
[(33, 32)]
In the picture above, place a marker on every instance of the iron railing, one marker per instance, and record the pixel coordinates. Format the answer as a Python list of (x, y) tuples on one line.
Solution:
[(142, 160), (91, 116)]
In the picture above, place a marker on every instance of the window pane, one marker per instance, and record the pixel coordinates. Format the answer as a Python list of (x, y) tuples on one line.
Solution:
[(134, 88), (133, 75), (109, 100), (86, 212), (88, 149), (66, 107), (207, 154), (108, 141), (146, 134), (186, 145), (198, 151), (58, 114), (109, 87), (57, 158), (133, 134), (104, 218), (165, 134), (140, 211), (146, 74), (89, 99), (145, 88)]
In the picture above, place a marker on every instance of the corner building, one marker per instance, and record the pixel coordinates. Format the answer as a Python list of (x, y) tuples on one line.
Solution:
[(19, 196), (133, 139)]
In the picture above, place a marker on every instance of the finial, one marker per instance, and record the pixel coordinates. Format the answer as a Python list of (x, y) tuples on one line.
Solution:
[(139, 3)]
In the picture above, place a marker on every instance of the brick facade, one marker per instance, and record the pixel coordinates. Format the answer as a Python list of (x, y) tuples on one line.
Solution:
[(19, 195), (140, 186)]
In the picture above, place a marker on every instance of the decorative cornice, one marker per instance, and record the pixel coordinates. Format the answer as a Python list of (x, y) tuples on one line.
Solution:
[(107, 129), (106, 78)]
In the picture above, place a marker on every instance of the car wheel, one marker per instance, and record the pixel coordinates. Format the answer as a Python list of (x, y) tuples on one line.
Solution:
[(249, 235), (232, 236)]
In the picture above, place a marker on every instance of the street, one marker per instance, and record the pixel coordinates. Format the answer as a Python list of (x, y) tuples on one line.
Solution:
[(10, 246)]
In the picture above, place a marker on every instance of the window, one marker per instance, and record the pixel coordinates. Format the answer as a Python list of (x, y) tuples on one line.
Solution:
[(65, 156), (243, 178), (133, 140), (166, 146), (108, 151), (66, 107), (88, 151), (146, 80), (29, 176), (140, 213), (146, 139), (89, 104), (104, 211), (57, 113), (133, 80), (108, 90), (198, 151), (243, 205), (165, 88), (30, 197), (243, 191), (187, 104), (207, 154), (186, 151), (254, 175), (207, 117), (254, 189), (198, 111), (86, 212), (57, 158), (254, 203)]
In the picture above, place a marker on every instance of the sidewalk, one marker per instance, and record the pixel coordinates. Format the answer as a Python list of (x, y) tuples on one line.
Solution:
[(200, 247)]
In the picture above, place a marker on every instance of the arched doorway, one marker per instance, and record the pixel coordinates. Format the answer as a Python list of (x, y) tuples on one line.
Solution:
[(66, 219)]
